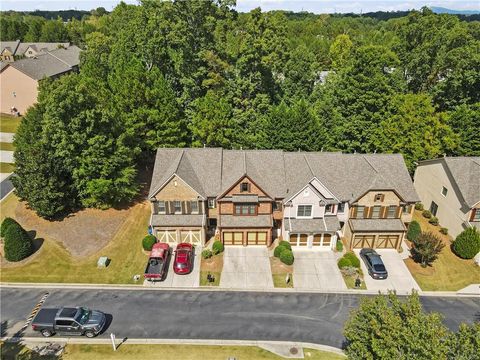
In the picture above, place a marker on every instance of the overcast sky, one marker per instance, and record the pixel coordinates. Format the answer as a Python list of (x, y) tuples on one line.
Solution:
[(316, 6)]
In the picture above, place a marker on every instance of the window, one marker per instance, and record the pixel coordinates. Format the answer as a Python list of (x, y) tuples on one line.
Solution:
[(161, 207), (433, 208), (245, 209), (304, 210), (194, 206), (376, 212), (29, 51), (244, 187), (341, 208), (64, 322), (476, 215), (277, 206), (360, 211), (444, 191), (379, 197), (177, 206), (211, 203), (391, 212), (329, 208)]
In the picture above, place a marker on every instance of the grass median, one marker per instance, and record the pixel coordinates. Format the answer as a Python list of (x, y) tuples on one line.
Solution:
[(9, 123)]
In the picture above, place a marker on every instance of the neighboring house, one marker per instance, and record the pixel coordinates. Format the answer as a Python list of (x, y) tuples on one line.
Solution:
[(13, 50), (450, 188), (252, 197), (19, 79)]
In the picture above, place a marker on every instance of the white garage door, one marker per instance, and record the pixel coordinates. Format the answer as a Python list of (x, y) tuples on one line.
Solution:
[(193, 237), (167, 236)]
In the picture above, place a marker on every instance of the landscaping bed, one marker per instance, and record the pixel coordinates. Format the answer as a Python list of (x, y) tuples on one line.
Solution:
[(280, 272), (212, 266)]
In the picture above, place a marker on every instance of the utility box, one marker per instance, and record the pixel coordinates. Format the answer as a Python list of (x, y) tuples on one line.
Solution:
[(103, 261)]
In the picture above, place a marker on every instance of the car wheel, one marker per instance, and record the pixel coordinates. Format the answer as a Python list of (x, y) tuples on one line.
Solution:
[(46, 333), (89, 334)]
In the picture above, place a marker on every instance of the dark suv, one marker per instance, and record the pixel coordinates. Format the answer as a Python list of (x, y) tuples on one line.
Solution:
[(374, 264)]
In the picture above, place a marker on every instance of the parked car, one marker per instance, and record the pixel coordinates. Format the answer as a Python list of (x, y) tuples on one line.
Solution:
[(156, 269), (183, 263), (374, 264), (69, 321)]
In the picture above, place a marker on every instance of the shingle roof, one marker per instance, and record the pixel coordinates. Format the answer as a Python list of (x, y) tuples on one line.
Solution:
[(466, 173), (311, 226), (359, 225), (12, 46), (233, 221), (177, 220), (212, 171), (41, 47)]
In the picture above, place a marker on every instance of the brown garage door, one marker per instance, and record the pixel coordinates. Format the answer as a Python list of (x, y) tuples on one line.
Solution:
[(387, 241), (257, 238), (363, 241), (233, 238), (298, 239), (317, 240)]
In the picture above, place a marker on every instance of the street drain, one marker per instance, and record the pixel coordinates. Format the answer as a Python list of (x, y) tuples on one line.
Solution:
[(293, 351)]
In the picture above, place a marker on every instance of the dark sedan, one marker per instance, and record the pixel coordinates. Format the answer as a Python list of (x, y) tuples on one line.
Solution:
[(374, 264)]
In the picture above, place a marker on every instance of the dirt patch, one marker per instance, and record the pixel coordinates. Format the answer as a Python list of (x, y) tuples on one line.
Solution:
[(214, 264), (82, 233), (278, 267)]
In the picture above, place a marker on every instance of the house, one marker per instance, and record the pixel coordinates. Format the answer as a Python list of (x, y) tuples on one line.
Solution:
[(13, 50), (450, 188), (251, 197), (19, 79)]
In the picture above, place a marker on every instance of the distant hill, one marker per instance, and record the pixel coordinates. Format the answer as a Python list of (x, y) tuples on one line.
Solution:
[(442, 10)]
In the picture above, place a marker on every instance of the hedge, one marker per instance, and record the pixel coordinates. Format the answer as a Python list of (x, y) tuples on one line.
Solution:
[(207, 254), (343, 263), (414, 230), (339, 245), (286, 244), (467, 244), (17, 243), (427, 214), (287, 257), (148, 242), (419, 206), (217, 247), (6, 224), (349, 260), (278, 250), (444, 230), (433, 220)]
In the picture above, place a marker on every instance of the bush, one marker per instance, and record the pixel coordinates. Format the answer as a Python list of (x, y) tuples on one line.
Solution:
[(344, 263), (278, 250), (18, 244), (207, 254), (354, 260), (414, 230), (148, 242), (426, 248), (285, 244), (433, 220), (286, 257), (419, 206), (444, 231), (467, 244), (217, 247), (427, 214), (339, 245), (6, 224)]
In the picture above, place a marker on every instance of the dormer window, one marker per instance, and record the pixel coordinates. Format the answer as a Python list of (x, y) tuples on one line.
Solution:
[(211, 203), (244, 187), (379, 197)]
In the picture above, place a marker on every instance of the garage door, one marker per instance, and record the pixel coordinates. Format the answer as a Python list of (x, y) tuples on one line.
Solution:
[(298, 239), (167, 236), (363, 241), (317, 240), (387, 241), (192, 237), (233, 238), (257, 238)]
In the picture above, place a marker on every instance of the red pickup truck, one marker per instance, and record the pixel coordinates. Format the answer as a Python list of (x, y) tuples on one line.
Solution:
[(156, 269)]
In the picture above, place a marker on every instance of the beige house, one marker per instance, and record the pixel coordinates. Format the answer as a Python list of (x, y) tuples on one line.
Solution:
[(13, 50), (450, 188), (19, 79)]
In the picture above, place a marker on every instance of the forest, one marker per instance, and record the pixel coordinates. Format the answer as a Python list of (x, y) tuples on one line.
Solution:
[(198, 73)]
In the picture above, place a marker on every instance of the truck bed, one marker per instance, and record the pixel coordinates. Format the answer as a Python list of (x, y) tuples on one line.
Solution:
[(45, 316), (154, 269)]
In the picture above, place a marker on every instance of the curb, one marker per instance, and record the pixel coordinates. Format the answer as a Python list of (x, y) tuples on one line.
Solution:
[(211, 342)]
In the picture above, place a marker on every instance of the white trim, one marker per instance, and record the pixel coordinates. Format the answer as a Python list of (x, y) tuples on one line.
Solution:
[(304, 217)]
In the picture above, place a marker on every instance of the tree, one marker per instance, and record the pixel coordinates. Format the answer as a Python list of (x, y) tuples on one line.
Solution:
[(340, 51), (426, 248), (384, 327), (467, 243), (464, 344), (414, 230), (18, 244), (54, 31), (465, 121)]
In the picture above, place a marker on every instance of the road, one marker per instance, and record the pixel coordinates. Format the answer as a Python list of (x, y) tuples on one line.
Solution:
[(316, 318), (5, 187)]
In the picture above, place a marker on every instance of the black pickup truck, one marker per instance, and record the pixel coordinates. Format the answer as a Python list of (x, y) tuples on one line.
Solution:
[(69, 321)]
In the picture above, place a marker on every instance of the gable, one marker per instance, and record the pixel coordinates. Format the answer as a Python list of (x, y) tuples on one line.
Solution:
[(176, 189), (308, 195), (322, 189), (389, 197), (253, 188)]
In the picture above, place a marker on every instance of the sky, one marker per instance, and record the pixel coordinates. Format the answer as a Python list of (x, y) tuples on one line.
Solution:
[(315, 6)]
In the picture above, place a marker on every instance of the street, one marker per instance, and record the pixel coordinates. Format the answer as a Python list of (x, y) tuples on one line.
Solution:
[(316, 318), (5, 187)]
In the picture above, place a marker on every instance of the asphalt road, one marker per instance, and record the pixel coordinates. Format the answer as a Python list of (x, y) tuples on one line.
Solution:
[(5, 187), (316, 318)]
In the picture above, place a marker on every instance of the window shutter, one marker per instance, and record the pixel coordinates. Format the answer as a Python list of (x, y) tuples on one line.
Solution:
[(365, 212), (248, 187), (354, 212), (382, 197), (188, 207), (399, 212), (171, 204), (474, 212), (383, 212), (155, 207)]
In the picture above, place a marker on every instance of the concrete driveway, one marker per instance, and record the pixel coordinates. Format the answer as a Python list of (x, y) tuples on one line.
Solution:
[(316, 270), (399, 278), (246, 268), (180, 281)]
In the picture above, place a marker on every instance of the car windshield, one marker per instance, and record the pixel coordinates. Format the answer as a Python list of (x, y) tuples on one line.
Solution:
[(83, 316), (379, 267)]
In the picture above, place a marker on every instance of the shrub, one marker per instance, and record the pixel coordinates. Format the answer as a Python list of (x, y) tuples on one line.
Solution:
[(344, 263), (353, 259), (427, 214), (426, 248), (414, 230), (217, 247), (207, 254), (6, 224), (18, 244), (419, 206), (444, 230), (285, 244), (287, 257), (433, 220), (148, 242), (467, 244), (339, 245), (278, 250)]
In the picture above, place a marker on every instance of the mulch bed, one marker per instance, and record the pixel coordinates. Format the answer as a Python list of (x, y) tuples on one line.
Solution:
[(278, 267)]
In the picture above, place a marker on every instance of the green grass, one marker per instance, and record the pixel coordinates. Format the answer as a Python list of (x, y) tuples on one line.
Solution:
[(184, 352), (6, 146), (279, 281), (52, 263), (203, 278), (350, 282), (6, 168), (9, 123)]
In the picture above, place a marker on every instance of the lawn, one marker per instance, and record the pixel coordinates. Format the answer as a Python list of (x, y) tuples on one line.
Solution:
[(6, 146), (448, 272), (164, 352), (6, 168), (9, 123), (53, 263), (212, 266), (350, 282), (280, 272)]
